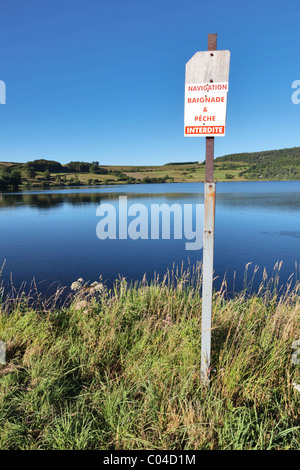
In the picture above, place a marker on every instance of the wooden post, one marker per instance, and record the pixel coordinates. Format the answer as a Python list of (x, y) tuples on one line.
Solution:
[(208, 245), (2, 353), (207, 74)]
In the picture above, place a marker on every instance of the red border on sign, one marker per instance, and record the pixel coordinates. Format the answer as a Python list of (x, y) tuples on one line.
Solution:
[(204, 130)]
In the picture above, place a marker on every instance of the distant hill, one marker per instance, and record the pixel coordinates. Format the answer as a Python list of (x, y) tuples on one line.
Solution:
[(287, 156), (269, 164), (283, 164)]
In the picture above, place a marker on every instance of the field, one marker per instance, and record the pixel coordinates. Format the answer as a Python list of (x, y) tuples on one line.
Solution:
[(271, 165), (120, 369), (193, 172)]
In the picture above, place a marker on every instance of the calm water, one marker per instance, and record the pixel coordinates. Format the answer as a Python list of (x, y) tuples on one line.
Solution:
[(51, 235)]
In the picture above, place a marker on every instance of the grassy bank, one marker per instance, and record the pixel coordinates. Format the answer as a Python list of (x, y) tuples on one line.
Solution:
[(120, 370)]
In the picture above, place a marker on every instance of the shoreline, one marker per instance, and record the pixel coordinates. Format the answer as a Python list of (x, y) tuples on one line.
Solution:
[(96, 186)]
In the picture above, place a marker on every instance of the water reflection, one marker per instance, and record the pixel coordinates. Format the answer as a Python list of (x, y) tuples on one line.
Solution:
[(48, 201), (51, 235), (250, 195)]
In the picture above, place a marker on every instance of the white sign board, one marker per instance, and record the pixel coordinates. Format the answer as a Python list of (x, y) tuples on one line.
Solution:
[(206, 88), (205, 109)]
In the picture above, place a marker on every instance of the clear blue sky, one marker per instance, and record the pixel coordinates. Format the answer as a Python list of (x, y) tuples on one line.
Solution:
[(104, 80)]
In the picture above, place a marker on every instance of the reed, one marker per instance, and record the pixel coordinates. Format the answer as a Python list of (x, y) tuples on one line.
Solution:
[(120, 368)]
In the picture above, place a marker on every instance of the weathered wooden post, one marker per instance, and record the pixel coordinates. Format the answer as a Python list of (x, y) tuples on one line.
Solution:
[(206, 87), (2, 353)]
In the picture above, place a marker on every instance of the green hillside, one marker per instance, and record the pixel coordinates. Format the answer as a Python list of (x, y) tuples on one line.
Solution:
[(268, 165), (281, 164)]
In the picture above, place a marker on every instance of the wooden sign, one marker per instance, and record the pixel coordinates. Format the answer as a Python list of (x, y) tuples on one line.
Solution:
[(206, 88)]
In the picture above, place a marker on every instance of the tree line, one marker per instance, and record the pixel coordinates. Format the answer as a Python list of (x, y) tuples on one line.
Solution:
[(52, 166), (10, 179), (267, 165)]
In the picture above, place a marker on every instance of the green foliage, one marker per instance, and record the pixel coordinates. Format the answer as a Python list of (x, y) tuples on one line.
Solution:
[(10, 179), (269, 165), (46, 174), (85, 167), (43, 165), (73, 167), (94, 167), (30, 171)]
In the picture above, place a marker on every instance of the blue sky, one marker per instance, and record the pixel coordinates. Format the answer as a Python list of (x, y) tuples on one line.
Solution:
[(104, 80)]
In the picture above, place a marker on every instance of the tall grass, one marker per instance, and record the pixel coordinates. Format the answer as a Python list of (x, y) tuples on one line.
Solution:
[(121, 369)]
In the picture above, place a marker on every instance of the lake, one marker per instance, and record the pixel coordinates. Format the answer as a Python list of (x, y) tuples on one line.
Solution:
[(51, 235)]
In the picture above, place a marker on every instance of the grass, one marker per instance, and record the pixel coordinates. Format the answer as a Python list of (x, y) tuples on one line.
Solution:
[(120, 369)]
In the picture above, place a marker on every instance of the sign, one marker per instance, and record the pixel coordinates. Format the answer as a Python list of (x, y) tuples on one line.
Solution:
[(205, 109), (206, 88)]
